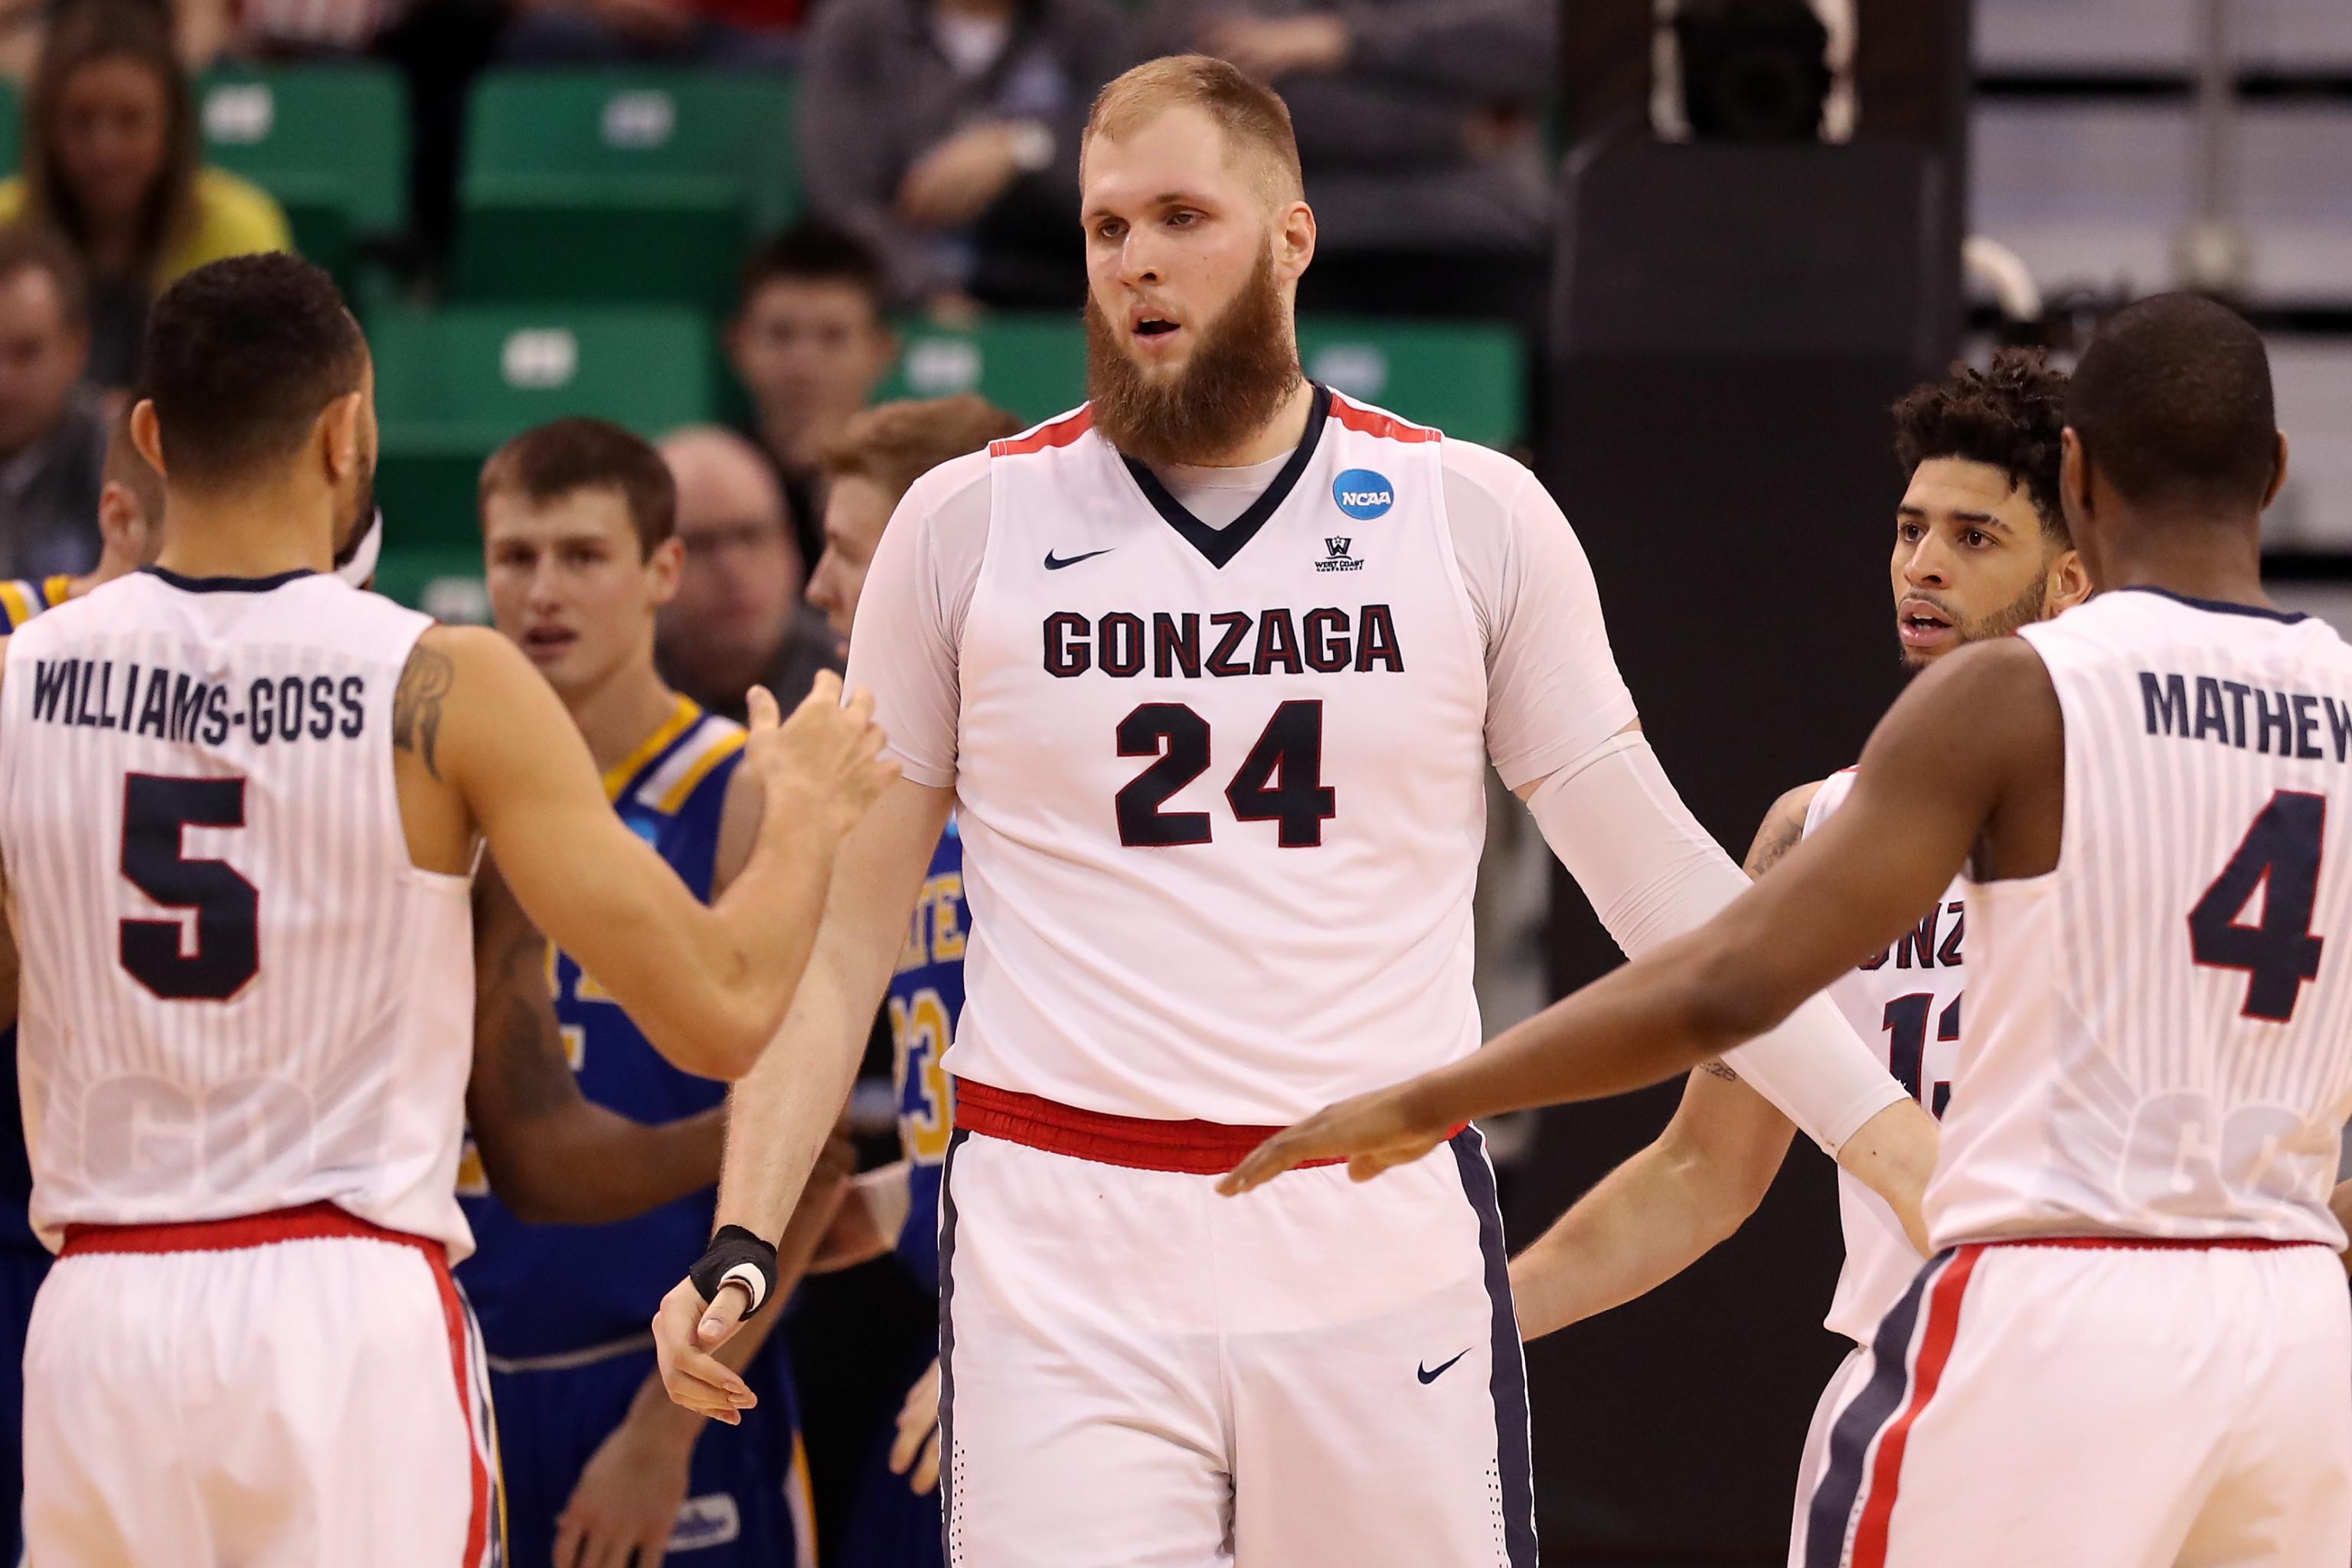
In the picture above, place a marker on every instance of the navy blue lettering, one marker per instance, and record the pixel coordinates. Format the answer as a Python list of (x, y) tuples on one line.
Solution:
[(51, 680), (2166, 702), (155, 712), (1235, 626), (354, 715), (1176, 645), (1118, 639), (215, 729), (129, 697), (322, 707), (260, 712), (1068, 652), (2267, 723), (1949, 955), (87, 715), (2239, 691), (1377, 642), (1921, 942), (2307, 725), (1328, 649), (1278, 643), (187, 704), (2209, 716), (2339, 727)]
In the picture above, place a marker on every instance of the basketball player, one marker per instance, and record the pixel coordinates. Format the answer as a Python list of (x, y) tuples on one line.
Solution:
[(2134, 1346), (130, 531), (248, 796), (1212, 669), (868, 466), (580, 552), (1981, 549)]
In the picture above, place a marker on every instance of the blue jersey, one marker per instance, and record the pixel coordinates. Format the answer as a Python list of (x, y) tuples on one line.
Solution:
[(21, 600), (544, 1289), (926, 1000)]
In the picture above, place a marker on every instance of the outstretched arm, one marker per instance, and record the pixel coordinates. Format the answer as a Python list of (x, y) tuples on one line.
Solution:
[(554, 1155), (708, 984), (783, 1109), (1976, 739)]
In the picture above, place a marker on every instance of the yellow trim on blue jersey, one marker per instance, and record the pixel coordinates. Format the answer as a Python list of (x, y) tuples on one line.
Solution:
[(56, 591), (723, 745), (623, 774), (16, 602)]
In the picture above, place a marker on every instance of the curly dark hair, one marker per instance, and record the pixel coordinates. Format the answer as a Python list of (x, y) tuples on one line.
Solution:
[(2009, 416)]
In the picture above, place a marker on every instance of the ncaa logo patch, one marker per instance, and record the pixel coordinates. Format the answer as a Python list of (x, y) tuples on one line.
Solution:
[(1363, 494)]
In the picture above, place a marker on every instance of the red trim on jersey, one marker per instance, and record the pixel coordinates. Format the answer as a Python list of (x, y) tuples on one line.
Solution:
[(1935, 1351), (1373, 421), (1060, 432), (310, 1222), (1136, 1142), (2156, 1243)]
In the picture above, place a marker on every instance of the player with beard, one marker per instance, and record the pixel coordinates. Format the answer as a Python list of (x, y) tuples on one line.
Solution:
[(1211, 669), (1980, 549)]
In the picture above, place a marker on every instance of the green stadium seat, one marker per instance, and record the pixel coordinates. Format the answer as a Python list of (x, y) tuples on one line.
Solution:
[(331, 142), (632, 185), (453, 384), (445, 584), (12, 124), (1468, 379), (1032, 366)]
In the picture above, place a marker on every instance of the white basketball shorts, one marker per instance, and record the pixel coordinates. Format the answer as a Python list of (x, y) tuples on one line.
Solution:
[(1137, 1371), (2093, 1404), (284, 1390)]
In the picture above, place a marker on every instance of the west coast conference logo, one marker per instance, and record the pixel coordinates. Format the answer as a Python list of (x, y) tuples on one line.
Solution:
[(1362, 495)]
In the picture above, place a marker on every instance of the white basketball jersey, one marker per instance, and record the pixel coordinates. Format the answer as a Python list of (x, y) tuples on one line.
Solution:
[(238, 994), (1223, 790), (1906, 1001), (2158, 1038)]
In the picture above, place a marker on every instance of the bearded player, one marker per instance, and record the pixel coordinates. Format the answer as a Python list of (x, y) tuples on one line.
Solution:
[(1212, 669), (1980, 549)]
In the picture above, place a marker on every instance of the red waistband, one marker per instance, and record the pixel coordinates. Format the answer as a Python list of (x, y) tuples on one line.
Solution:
[(1138, 1142), (310, 1222), (2156, 1243)]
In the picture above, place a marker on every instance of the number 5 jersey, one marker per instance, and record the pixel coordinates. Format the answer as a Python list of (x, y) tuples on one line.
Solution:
[(2159, 1039), (239, 994)]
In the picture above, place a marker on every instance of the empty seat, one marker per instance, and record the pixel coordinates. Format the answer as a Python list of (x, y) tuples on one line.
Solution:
[(1468, 379), (451, 385), (621, 185), (331, 142)]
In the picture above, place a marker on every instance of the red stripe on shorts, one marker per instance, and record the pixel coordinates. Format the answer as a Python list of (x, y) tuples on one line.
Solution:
[(453, 1312), (1136, 1142), (310, 1222), (1927, 1370)]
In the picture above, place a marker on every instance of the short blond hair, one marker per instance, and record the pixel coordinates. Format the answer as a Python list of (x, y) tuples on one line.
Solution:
[(1251, 114), (895, 444)]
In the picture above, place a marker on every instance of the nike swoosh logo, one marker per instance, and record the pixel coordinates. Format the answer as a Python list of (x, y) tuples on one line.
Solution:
[(1056, 563), (1427, 1376)]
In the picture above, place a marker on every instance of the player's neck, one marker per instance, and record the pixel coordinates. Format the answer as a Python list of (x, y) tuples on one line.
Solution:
[(2196, 561), (251, 532), (1274, 438), (616, 717)]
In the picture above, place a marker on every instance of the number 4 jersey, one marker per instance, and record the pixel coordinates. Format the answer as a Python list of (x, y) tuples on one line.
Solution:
[(2158, 1038), (1219, 738), (239, 994)]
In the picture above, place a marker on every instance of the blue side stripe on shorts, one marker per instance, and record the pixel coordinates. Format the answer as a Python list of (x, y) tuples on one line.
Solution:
[(947, 1347), (1858, 1424), (1508, 1382)]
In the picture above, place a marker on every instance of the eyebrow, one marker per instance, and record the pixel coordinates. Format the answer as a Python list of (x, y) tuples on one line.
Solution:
[(1977, 519), (1164, 199)]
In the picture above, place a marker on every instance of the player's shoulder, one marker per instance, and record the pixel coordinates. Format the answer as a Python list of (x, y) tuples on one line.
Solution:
[(951, 499), (1784, 825)]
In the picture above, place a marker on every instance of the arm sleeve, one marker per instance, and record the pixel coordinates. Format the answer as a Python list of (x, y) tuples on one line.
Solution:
[(1652, 872), (1553, 692), (910, 626)]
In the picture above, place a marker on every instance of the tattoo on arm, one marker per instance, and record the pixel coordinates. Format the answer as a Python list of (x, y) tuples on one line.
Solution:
[(1783, 831), (417, 701), (1718, 1069)]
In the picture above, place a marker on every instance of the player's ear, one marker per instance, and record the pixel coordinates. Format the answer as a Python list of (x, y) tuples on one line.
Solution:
[(2278, 473), (663, 567), (2069, 581), (146, 434), (340, 428), (2074, 479), (1294, 240)]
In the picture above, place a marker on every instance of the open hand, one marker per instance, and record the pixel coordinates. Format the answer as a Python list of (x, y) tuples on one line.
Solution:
[(954, 183), (915, 1452), (625, 1505), (824, 764), (1373, 1132)]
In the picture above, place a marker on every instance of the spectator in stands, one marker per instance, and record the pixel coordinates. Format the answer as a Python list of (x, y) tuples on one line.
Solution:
[(738, 620), (946, 132), (1420, 125), (111, 163), (756, 33), (53, 428), (810, 341)]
